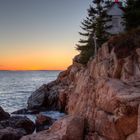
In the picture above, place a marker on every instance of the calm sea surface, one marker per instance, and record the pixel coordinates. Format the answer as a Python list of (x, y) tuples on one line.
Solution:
[(17, 86)]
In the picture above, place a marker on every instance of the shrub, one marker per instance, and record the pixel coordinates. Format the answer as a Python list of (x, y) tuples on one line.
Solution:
[(125, 44)]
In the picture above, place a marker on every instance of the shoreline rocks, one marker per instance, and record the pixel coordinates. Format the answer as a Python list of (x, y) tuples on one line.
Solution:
[(101, 99), (106, 92), (14, 127), (3, 115), (11, 134), (43, 122), (67, 128), (26, 111), (19, 122)]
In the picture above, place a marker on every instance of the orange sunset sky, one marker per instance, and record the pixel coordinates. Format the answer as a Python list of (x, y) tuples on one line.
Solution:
[(39, 34)]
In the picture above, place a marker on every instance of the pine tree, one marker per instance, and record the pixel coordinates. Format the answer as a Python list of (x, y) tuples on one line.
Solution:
[(132, 14), (94, 27)]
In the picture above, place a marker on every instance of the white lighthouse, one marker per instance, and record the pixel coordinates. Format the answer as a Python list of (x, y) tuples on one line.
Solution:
[(116, 12)]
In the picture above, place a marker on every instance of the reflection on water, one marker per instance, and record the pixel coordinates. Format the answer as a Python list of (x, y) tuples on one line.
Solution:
[(17, 86)]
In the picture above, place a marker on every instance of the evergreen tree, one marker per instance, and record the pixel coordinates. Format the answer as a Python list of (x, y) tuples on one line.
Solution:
[(132, 14), (95, 28)]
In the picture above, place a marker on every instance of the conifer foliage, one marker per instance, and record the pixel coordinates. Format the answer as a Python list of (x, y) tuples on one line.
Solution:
[(132, 14), (94, 29)]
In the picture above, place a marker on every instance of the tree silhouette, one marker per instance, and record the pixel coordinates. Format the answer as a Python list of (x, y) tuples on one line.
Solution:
[(132, 14), (94, 28)]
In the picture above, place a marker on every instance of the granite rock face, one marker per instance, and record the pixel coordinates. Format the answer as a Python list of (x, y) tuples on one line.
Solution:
[(106, 93)]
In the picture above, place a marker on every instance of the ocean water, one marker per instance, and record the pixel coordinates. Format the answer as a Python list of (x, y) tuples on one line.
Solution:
[(17, 86)]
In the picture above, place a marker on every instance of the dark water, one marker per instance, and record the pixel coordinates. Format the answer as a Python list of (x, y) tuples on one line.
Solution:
[(17, 86)]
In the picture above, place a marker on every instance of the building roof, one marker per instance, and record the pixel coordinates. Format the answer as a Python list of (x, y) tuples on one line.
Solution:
[(118, 3), (116, 8)]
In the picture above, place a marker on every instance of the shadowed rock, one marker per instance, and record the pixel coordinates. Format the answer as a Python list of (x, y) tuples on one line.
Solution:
[(19, 122), (43, 122), (3, 115), (11, 134)]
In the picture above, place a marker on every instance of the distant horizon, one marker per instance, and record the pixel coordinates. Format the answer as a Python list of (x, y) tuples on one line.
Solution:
[(32, 70)]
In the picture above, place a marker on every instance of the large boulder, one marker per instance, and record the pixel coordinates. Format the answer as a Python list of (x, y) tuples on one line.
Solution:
[(68, 128), (37, 98), (19, 122), (11, 134), (45, 97), (3, 115)]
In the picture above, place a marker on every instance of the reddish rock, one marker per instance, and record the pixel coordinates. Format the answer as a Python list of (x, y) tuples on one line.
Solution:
[(132, 137), (62, 100), (106, 92), (105, 125), (105, 98), (126, 125), (43, 122), (68, 128), (94, 136)]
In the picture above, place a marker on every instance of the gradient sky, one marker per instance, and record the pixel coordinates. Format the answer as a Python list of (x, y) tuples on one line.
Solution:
[(39, 34)]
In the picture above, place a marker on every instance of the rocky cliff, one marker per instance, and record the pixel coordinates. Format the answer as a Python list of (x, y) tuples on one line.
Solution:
[(105, 93)]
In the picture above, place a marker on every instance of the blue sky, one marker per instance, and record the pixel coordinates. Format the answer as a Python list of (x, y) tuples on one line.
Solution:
[(39, 26)]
